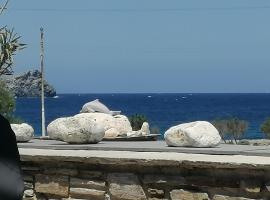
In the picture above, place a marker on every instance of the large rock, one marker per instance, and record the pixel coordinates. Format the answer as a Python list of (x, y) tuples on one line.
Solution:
[(77, 129), (144, 131), (28, 85), (23, 132), (194, 134)]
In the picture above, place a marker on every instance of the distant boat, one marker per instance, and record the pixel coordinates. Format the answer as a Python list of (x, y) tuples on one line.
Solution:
[(56, 97), (184, 97), (149, 96)]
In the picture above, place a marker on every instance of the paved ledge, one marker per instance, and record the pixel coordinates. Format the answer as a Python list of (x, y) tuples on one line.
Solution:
[(150, 146), (144, 158)]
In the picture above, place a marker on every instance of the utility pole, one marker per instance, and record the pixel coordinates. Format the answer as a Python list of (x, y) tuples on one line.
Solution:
[(42, 83)]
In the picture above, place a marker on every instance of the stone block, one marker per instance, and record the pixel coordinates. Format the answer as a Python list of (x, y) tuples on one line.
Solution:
[(84, 193), (221, 197), (61, 171), (91, 174), (52, 185), (187, 195), (28, 185), (155, 193), (90, 184), (252, 186), (125, 186), (163, 180)]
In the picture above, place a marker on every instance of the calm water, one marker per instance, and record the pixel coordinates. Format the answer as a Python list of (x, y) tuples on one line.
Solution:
[(162, 110)]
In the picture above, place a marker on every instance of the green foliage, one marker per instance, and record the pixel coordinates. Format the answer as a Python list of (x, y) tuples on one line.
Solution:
[(234, 128), (9, 45), (265, 128), (136, 121)]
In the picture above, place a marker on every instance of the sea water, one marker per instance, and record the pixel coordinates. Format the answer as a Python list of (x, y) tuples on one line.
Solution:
[(161, 110)]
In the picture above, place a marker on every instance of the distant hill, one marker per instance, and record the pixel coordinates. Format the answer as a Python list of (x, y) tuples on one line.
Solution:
[(28, 85)]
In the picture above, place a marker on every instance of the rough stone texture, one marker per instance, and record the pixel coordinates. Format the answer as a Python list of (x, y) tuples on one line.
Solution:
[(125, 186), (186, 195), (252, 186), (90, 184), (112, 133), (221, 197), (24, 132), (161, 181), (155, 193), (118, 122), (194, 134), (28, 85), (54, 185), (84, 193), (145, 130), (77, 129)]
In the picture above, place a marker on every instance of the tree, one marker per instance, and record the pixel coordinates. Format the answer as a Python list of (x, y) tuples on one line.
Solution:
[(9, 45), (236, 128), (265, 128), (137, 121)]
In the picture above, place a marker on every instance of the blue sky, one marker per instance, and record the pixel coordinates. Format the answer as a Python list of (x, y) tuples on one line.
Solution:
[(146, 45)]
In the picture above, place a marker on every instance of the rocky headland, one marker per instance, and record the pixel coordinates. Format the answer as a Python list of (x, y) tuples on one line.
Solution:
[(28, 85)]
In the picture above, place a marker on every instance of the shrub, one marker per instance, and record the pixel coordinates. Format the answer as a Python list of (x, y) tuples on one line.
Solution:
[(234, 128), (265, 128), (136, 121)]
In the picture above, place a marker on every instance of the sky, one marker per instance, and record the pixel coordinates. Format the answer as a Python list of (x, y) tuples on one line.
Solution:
[(143, 46)]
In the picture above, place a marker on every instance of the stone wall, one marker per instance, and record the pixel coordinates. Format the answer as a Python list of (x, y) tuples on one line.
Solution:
[(89, 178)]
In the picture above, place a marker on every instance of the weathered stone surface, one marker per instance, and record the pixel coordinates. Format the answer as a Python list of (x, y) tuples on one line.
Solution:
[(186, 195), (125, 186), (145, 128), (111, 133), (77, 129), (252, 186), (84, 193), (95, 106), (91, 174), (221, 197), (155, 193), (160, 181), (90, 184), (24, 132), (28, 185), (194, 134), (54, 185), (61, 171)]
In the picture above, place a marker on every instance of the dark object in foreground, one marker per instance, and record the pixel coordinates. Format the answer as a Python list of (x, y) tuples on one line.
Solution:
[(11, 182)]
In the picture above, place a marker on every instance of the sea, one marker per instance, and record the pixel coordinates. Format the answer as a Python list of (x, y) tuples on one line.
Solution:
[(161, 110)]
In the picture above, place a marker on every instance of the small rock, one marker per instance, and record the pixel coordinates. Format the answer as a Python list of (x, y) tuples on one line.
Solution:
[(145, 129), (24, 132), (194, 134)]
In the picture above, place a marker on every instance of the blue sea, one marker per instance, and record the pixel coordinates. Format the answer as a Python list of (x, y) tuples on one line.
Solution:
[(162, 110)]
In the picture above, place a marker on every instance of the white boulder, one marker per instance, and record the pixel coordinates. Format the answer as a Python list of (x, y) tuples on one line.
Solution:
[(24, 132), (77, 129), (113, 125), (194, 134), (111, 133)]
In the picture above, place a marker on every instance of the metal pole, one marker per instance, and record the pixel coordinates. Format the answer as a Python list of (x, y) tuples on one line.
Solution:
[(42, 84)]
